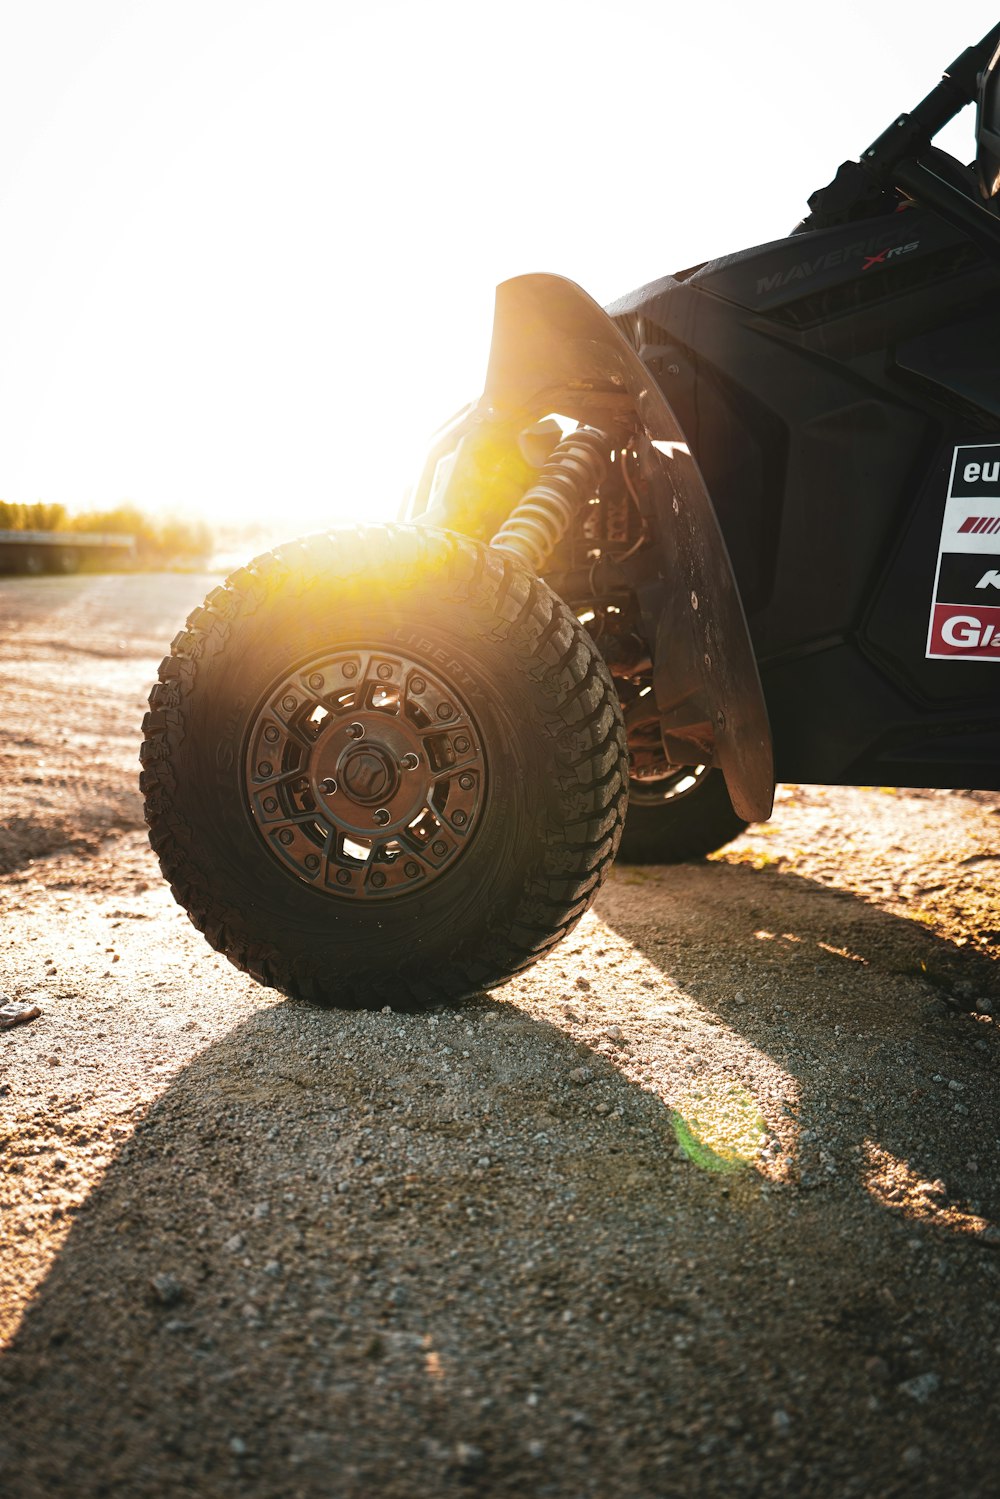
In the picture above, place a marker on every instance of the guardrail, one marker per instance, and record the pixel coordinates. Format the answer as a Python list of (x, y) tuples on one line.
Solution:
[(37, 552)]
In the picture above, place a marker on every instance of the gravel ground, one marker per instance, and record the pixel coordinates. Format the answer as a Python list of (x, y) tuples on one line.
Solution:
[(708, 1202)]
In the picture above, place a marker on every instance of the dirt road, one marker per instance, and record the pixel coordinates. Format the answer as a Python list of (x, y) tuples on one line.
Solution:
[(707, 1203)]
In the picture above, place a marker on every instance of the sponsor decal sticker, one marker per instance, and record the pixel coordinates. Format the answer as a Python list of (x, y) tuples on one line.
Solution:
[(965, 609)]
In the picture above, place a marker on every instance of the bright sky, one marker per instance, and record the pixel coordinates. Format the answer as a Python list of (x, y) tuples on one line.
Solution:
[(249, 246)]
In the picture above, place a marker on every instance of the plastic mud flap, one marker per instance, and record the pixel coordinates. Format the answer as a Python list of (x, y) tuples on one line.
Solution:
[(555, 349)]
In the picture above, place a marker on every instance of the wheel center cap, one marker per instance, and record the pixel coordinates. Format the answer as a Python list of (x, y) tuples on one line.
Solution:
[(368, 775)]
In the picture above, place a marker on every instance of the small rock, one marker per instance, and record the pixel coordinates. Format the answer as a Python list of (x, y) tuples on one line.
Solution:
[(261, 1210), (484, 1163), (536, 1449), (234, 1244), (876, 1368), (273, 1268), (614, 1033), (468, 1456), (781, 1423), (166, 1289), (985, 1006), (921, 1387), (912, 1457), (581, 1075), (14, 1013), (956, 1086), (237, 1446), (990, 1236)]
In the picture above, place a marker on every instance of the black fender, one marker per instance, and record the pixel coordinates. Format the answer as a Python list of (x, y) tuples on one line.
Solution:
[(555, 349)]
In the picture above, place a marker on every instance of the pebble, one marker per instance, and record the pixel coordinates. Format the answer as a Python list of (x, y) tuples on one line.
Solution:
[(166, 1288), (985, 1006), (921, 1387), (614, 1033), (237, 1446), (469, 1456), (781, 1423), (990, 1236), (234, 1244), (261, 1210), (580, 1076), (536, 1449), (912, 1457)]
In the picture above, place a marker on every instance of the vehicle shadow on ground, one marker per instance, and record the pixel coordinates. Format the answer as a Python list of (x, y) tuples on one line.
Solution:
[(408, 1255)]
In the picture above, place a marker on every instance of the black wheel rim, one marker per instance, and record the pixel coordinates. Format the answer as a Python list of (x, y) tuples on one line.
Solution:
[(365, 774)]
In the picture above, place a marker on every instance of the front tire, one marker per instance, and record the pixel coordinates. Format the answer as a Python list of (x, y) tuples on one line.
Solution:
[(384, 765)]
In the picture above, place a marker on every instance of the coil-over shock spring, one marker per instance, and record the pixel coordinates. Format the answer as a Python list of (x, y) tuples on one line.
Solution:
[(574, 472)]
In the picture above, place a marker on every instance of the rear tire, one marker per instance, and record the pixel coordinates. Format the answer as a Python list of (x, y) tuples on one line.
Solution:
[(678, 817), (268, 817)]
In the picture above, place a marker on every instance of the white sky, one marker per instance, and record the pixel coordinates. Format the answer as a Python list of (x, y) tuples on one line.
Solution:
[(249, 246)]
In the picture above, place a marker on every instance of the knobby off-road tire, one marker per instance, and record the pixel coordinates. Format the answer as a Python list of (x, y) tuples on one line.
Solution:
[(673, 822), (280, 719)]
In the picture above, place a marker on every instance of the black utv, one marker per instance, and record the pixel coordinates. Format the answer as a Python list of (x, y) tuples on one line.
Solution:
[(742, 526)]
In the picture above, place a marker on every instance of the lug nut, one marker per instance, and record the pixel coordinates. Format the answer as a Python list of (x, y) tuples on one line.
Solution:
[(349, 669), (385, 671), (409, 762), (411, 871), (378, 879), (285, 836), (460, 819), (343, 877), (439, 848), (264, 768), (270, 804), (315, 681), (461, 744), (311, 861), (466, 782), (329, 785), (417, 684), (271, 734), (381, 816), (445, 710), (288, 703), (356, 730)]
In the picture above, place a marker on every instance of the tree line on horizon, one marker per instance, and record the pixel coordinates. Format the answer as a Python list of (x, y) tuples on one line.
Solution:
[(167, 539)]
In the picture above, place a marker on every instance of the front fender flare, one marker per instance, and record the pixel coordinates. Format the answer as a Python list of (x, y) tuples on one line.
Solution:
[(555, 349)]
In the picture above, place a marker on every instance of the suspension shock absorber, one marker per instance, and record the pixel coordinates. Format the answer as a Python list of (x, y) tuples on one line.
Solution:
[(539, 521)]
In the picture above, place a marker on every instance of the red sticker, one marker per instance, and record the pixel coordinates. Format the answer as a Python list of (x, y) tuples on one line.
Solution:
[(961, 630)]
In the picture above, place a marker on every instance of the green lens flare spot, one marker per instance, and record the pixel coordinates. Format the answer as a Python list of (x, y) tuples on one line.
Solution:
[(719, 1127)]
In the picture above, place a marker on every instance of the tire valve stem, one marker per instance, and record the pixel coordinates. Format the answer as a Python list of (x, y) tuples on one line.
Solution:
[(576, 470)]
